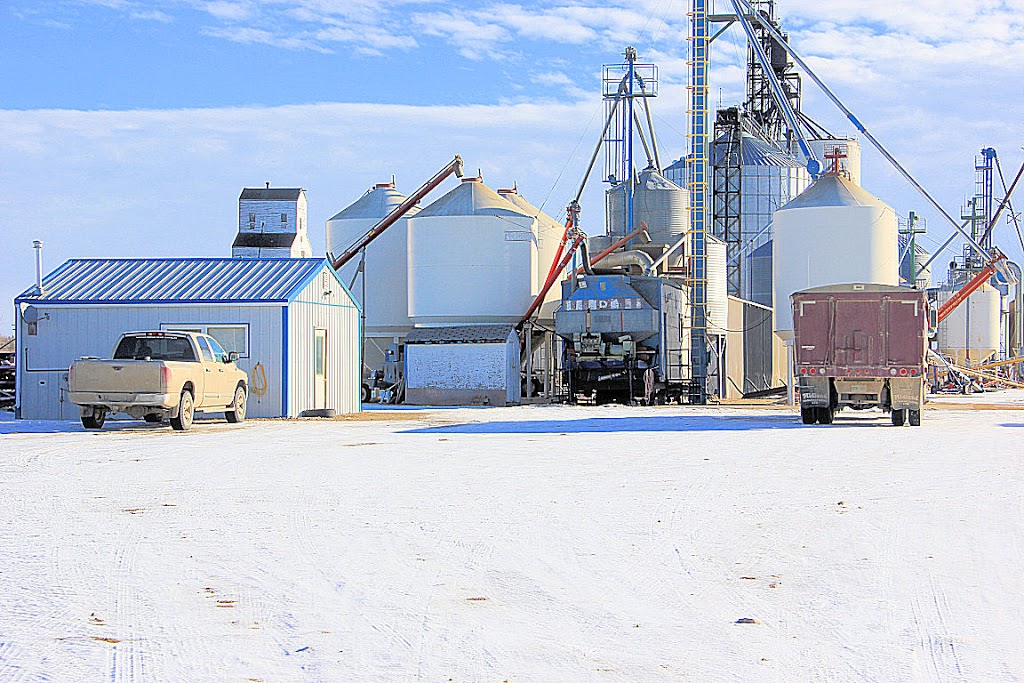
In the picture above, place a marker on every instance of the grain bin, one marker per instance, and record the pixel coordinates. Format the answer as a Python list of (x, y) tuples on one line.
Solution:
[(549, 234), (472, 259), (386, 305), (832, 233), (657, 201), (970, 333)]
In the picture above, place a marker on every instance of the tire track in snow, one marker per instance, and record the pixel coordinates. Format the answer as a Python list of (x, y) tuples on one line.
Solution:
[(10, 672), (935, 645), (128, 657)]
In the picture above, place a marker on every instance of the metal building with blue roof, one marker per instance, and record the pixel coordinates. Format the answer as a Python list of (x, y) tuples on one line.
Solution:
[(293, 323)]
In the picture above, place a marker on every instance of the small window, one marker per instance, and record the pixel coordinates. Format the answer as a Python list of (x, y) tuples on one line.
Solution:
[(231, 337), (284, 218), (205, 348), (252, 217)]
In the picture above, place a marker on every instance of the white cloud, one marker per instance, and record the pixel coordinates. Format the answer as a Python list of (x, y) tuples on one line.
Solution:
[(258, 36), (153, 15), (228, 11), (475, 37)]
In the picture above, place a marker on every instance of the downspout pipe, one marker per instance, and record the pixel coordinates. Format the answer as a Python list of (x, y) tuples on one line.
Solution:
[(813, 165)]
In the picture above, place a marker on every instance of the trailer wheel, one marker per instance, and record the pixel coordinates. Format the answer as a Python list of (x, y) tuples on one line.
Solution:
[(899, 417), (825, 415), (808, 415), (915, 418)]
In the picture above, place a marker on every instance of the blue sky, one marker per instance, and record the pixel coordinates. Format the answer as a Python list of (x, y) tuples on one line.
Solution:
[(128, 128)]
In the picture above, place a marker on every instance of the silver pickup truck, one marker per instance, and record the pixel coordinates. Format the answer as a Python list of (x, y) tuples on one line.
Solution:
[(159, 375)]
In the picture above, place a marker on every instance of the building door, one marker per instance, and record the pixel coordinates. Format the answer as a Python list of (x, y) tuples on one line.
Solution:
[(319, 368)]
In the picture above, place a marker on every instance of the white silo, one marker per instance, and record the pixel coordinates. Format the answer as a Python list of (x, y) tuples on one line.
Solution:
[(472, 259), (549, 234), (717, 292), (387, 300), (970, 334), (833, 233)]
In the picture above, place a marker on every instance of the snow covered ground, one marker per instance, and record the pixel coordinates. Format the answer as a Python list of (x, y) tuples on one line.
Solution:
[(534, 544)]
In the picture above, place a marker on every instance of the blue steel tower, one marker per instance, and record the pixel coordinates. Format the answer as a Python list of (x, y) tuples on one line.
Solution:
[(622, 84), (697, 185)]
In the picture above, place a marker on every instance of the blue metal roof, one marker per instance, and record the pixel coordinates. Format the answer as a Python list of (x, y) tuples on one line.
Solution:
[(755, 152), (176, 280)]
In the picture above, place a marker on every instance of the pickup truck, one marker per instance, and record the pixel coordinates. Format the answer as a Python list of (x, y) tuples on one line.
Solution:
[(157, 376)]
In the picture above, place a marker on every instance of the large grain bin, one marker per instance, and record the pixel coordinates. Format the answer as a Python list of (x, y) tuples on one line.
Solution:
[(387, 299), (472, 259), (832, 233)]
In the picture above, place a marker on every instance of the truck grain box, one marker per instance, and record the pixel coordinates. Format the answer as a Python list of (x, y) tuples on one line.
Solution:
[(159, 375), (860, 346)]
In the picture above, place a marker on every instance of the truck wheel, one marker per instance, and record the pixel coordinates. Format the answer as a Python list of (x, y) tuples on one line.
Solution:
[(899, 417), (94, 420), (238, 414), (915, 418), (365, 394), (808, 415), (186, 412)]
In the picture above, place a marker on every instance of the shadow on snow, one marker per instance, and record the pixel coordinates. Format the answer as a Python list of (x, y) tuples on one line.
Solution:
[(648, 423)]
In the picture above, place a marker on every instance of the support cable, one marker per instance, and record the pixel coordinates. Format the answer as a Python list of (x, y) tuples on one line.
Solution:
[(864, 131)]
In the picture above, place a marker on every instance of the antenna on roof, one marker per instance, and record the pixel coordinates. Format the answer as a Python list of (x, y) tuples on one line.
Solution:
[(268, 184)]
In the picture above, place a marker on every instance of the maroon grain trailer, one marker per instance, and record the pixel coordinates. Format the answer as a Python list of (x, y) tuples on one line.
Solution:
[(860, 346)]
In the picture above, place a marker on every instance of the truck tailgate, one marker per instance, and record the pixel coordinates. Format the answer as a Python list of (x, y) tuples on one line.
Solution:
[(116, 376), (872, 331)]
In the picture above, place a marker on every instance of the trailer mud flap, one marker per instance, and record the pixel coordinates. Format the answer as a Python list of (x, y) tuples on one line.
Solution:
[(814, 392)]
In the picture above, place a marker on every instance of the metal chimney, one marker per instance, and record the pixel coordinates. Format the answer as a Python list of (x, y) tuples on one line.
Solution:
[(38, 246)]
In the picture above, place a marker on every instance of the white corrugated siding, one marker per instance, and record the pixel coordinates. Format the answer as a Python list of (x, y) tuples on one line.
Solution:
[(332, 309), (73, 331)]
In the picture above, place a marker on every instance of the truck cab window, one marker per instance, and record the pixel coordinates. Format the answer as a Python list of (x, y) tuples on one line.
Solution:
[(154, 348), (219, 354), (204, 348)]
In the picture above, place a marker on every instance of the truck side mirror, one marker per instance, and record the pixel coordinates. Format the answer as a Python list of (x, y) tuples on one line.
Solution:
[(232, 356)]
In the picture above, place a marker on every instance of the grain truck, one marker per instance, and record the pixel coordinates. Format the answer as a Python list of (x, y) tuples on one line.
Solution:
[(860, 346)]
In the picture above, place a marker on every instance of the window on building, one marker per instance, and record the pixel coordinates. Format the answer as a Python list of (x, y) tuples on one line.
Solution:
[(231, 336), (252, 217), (284, 218)]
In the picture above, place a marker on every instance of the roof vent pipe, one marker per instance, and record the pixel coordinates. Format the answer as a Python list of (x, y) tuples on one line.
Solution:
[(268, 184), (38, 246)]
